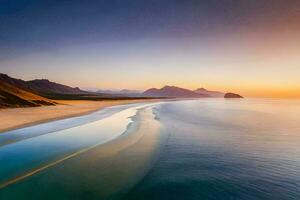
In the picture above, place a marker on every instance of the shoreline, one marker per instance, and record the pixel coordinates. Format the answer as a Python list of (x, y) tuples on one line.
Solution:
[(16, 118), (139, 142)]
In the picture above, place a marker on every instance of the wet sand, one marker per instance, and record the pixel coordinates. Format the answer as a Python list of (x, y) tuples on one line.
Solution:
[(106, 171), (13, 118)]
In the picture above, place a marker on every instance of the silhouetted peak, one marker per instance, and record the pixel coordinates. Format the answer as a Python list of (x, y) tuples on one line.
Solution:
[(170, 87), (201, 89), (172, 91), (166, 87), (4, 75), (42, 80)]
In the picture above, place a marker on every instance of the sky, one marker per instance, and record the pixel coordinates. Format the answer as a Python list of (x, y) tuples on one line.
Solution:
[(251, 47)]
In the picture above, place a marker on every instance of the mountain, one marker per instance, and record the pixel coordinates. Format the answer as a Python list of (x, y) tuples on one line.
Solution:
[(119, 93), (232, 95), (126, 91), (42, 87), (123, 91), (48, 87), (106, 91), (172, 91), (11, 96), (209, 93)]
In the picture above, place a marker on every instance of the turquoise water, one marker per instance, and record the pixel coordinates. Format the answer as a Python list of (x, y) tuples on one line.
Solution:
[(205, 149)]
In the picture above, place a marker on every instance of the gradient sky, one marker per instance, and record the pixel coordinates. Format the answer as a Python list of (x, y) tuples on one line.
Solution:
[(251, 47)]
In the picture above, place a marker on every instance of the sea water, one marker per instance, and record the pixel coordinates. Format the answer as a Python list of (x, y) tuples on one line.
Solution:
[(226, 149), (207, 149)]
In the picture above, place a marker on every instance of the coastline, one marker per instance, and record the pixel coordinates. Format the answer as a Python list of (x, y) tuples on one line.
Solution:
[(15, 118), (131, 154)]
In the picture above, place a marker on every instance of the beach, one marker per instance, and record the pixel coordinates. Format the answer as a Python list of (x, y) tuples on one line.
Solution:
[(186, 149), (121, 155), (13, 118)]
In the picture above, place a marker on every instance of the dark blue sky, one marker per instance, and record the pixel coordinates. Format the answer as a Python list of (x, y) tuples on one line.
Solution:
[(38, 24), (143, 37)]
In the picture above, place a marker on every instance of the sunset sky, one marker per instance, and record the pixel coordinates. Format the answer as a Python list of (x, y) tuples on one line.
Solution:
[(251, 47)]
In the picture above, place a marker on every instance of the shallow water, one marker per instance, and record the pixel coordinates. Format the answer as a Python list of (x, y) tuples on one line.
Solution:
[(195, 149), (41, 129)]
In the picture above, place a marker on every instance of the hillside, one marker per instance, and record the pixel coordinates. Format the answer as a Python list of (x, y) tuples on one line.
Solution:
[(209, 92), (42, 87), (172, 91), (11, 97)]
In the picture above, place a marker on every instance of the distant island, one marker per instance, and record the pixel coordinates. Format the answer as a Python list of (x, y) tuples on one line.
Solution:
[(40, 92), (232, 95)]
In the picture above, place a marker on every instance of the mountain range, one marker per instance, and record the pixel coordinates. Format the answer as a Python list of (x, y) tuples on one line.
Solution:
[(178, 92), (172, 91), (42, 87), (119, 92), (11, 96), (19, 93)]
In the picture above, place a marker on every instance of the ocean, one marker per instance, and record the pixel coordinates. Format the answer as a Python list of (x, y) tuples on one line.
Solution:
[(186, 150)]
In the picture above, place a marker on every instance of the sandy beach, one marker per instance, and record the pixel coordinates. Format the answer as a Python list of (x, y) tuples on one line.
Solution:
[(120, 163), (13, 118)]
